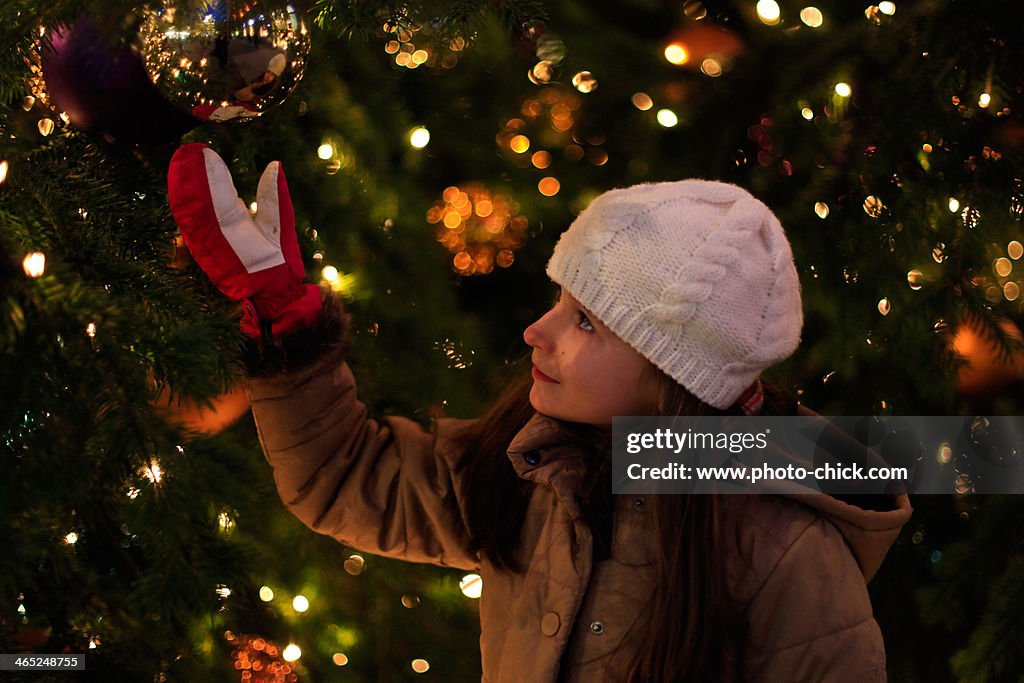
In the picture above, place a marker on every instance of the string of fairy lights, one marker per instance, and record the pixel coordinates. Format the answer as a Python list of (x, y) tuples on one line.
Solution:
[(259, 659)]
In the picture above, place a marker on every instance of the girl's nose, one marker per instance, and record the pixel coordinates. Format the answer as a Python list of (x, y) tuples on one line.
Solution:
[(535, 335)]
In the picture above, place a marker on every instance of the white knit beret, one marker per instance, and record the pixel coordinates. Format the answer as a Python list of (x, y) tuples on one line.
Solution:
[(696, 275)]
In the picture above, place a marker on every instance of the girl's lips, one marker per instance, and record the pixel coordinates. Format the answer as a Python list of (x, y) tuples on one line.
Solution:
[(538, 375)]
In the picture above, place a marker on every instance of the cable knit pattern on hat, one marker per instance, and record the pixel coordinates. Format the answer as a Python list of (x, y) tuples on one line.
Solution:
[(696, 275)]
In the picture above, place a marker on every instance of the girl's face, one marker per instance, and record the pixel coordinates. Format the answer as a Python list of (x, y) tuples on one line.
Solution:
[(582, 372)]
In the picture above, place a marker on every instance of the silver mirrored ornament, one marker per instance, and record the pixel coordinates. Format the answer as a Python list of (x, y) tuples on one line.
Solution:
[(224, 60)]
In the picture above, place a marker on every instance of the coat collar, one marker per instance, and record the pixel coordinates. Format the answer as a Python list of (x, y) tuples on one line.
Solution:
[(550, 452)]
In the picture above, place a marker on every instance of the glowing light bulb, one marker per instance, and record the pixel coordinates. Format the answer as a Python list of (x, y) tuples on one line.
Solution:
[(329, 273), (821, 210), (984, 100), (807, 113), (224, 521), (768, 12), (71, 538), (291, 653), (34, 264), (266, 593), (676, 54), (843, 89), (420, 665), (152, 471), (419, 137), (300, 603), (667, 118), (887, 7), (325, 151), (954, 205), (3, 171)]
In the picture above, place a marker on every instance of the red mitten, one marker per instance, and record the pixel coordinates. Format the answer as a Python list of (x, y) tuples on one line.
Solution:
[(254, 260)]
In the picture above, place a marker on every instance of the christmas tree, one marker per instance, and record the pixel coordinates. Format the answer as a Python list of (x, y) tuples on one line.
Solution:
[(434, 155)]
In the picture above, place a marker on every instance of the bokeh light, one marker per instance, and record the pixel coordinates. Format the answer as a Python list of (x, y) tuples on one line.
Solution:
[(479, 227), (549, 186), (676, 54), (811, 16), (419, 137), (642, 101), (768, 12), (667, 118), (471, 585), (34, 264)]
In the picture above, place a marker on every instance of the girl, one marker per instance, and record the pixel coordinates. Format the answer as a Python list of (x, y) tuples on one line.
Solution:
[(674, 298)]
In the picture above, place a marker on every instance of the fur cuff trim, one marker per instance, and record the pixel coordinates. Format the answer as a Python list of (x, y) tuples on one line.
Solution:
[(325, 341)]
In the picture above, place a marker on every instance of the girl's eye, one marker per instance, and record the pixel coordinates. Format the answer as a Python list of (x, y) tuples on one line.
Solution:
[(584, 322)]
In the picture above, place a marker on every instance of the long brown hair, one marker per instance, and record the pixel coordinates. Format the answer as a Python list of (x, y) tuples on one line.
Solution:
[(689, 624)]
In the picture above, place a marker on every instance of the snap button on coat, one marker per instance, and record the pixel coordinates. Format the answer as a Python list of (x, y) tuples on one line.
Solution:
[(550, 623), (639, 503), (532, 458), (596, 627)]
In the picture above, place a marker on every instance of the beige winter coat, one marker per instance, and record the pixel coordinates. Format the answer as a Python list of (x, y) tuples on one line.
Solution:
[(797, 568)]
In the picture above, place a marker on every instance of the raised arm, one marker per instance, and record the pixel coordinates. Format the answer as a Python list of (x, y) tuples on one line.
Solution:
[(387, 487)]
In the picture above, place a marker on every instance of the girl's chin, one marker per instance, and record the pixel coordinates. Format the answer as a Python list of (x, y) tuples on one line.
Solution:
[(539, 402)]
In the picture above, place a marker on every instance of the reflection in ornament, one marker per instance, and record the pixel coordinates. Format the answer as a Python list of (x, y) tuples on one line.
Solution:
[(482, 229), (224, 60)]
